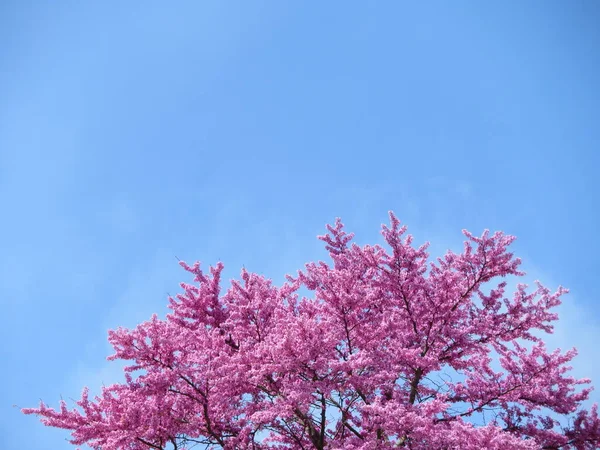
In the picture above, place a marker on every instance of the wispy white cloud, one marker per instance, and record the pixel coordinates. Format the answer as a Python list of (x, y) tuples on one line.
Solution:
[(577, 327), (145, 293)]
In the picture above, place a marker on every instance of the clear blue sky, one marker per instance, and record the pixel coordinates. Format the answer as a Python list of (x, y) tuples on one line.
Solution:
[(132, 133)]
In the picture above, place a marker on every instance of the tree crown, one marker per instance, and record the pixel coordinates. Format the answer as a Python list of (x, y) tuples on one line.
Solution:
[(387, 351)]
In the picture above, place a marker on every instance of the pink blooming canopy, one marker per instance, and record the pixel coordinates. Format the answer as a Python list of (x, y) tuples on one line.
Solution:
[(387, 352)]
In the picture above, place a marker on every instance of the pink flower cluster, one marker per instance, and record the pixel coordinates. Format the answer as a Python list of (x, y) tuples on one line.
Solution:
[(387, 352)]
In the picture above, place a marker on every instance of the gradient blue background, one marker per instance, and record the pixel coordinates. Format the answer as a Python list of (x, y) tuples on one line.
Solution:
[(132, 133)]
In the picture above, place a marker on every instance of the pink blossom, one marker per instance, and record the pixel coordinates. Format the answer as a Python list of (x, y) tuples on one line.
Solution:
[(387, 352)]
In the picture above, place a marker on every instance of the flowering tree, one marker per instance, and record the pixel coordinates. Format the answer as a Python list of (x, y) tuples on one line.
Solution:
[(386, 352)]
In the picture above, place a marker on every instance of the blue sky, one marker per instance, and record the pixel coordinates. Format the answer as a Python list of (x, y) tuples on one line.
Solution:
[(132, 133)]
